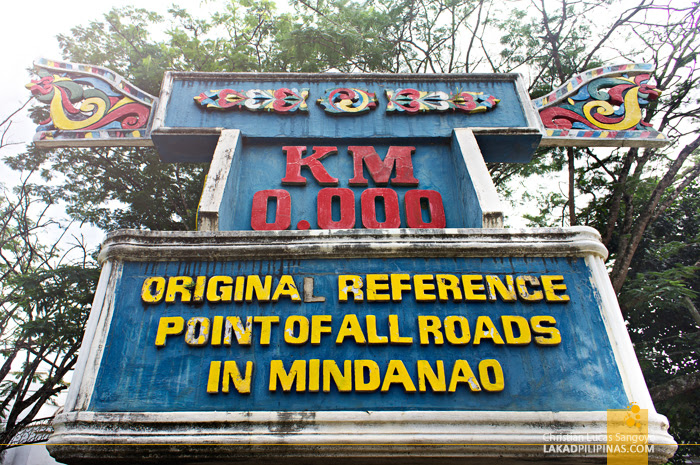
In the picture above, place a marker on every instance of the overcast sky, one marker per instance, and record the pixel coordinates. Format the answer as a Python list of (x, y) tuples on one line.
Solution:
[(28, 31)]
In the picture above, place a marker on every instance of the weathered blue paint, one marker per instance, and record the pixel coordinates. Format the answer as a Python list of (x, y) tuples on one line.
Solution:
[(505, 148), (261, 166), (183, 113), (470, 207), (197, 148), (580, 374)]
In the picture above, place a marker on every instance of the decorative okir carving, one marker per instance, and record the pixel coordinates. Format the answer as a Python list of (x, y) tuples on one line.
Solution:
[(281, 100), (413, 101), (605, 103), (348, 101), (89, 102)]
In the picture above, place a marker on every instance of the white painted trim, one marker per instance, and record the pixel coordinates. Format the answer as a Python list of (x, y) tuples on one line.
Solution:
[(102, 142), (210, 204), (137, 245), (216, 131), (626, 358), (508, 437), (500, 131), (491, 209), (601, 142), (82, 387), (332, 77), (166, 89), (89, 336), (533, 116)]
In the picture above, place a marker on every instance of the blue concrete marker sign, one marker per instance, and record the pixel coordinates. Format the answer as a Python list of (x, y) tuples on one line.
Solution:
[(494, 334), (351, 293), (196, 106), (425, 192)]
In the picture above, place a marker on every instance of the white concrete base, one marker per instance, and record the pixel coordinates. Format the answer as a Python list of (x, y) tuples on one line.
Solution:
[(367, 437), (317, 437)]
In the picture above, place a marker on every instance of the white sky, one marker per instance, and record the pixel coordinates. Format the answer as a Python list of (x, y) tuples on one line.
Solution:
[(28, 31)]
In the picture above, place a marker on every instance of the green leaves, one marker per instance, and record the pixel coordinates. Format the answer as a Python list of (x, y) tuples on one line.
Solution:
[(660, 300), (120, 188), (44, 304), (54, 304)]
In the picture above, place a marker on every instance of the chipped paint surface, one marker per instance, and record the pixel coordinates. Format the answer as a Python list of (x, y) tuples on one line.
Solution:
[(243, 334), (509, 132), (253, 435), (394, 328)]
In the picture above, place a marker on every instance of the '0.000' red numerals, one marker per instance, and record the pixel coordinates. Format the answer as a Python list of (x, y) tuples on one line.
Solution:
[(414, 202)]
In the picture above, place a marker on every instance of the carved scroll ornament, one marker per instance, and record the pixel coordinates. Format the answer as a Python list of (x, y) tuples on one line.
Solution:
[(90, 103), (281, 100), (415, 101), (601, 107), (348, 101)]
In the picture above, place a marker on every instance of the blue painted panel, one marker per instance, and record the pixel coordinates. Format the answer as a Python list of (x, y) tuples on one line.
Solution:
[(507, 148), (183, 112), (185, 148), (465, 186), (580, 374), (261, 166)]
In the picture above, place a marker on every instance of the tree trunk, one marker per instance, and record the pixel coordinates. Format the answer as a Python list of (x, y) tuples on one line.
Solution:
[(649, 211), (572, 185), (676, 386)]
